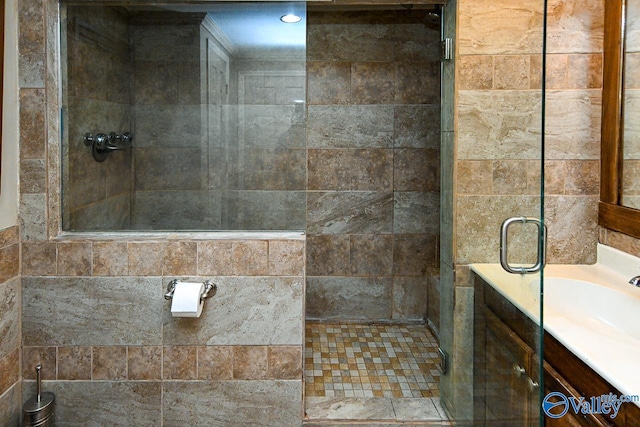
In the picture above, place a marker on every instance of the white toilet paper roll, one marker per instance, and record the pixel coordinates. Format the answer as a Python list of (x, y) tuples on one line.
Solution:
[(186, 300)]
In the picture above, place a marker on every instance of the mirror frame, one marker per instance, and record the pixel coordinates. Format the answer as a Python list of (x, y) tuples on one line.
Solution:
[(611, 214)]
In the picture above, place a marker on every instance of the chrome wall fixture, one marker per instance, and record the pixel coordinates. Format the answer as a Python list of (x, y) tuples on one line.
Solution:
[(102, 144), (210, 289)]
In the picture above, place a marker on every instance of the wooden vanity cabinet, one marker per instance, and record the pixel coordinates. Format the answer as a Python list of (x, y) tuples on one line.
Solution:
[(506, 370)]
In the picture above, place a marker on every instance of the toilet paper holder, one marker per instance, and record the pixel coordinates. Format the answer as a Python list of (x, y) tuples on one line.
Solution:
[(210, 289)]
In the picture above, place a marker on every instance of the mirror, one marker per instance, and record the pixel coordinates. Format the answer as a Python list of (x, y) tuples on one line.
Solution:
[(619, 207), (630, 193)]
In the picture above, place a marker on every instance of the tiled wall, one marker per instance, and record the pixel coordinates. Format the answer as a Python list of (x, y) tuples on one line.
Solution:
[(499, 107), (97, 195), (10, 337), (94, 316), (373, 186)]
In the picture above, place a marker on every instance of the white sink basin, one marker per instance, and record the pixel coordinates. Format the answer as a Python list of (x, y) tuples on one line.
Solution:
[(594, 306)]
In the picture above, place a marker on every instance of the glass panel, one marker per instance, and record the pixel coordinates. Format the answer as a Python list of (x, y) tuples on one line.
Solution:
[(213, 96), (493, 163)]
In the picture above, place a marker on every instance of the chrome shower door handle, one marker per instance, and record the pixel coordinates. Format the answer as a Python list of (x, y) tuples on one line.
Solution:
[(542, 245)]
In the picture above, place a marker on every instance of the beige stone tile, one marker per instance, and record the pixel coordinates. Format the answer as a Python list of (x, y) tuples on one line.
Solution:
[(341, 408), (413, 254), (475, 72), (573, 229), (110, 259), (250, 362), (32, 124), (575, 26), (500, 27), (623, 242), (372, 83), (9, 236), (352, 126), (417, 38), (583, 177), (240, 403), (34, 356), (512, 72), (31, 44), (416, 169), (352, 169), (328, 255), (233, 258), (10, 368), (39, 258), (477, 238), (9, 262), (510, 177), (250, 258), (328, 82), (474, 176), (74, 259), (284, 363), (602, 235), (555, 172), (499, 124), (32, 176), (349, 212), (145, 259), (363, 41), (144, 363), (557, 71), (215, 258), (410, 298), (33, 217), (181, 259), (286, 258), (632, 64), (535, 72), (109, 363), (584, 71), (417, 82), (180, 363), (74, 363), (573, 124), (371, 255), (215, 363)]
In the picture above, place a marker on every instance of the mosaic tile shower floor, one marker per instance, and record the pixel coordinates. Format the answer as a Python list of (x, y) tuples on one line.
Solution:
[(356, 360)]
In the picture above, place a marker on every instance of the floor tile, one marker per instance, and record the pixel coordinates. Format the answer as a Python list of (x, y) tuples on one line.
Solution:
[(420, 409), (356, 360), (349, 408)]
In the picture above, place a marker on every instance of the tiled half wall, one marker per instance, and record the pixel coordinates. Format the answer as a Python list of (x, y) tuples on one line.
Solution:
[(10, 339), (94, 316)]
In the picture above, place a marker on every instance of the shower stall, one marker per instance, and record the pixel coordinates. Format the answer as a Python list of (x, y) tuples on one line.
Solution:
[(349, 126)]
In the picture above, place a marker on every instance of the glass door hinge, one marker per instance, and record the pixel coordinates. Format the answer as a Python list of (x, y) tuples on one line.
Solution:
[(446, 49)]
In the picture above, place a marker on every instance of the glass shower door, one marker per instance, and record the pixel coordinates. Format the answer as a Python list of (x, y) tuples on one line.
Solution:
[(493, 174)]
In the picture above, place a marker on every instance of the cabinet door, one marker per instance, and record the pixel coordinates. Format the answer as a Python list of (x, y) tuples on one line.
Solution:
[(508, 361), (553, 382)]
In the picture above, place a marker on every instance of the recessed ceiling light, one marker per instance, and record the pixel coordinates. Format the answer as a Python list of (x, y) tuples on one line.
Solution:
[(290, 18)]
